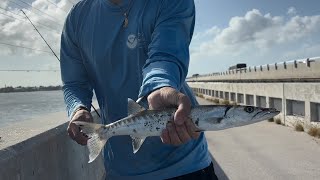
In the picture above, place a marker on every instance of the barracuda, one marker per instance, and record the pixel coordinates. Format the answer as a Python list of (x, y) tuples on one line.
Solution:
[(141, 123)]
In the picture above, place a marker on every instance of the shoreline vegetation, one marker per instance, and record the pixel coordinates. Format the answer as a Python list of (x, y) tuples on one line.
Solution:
[(10, 89)]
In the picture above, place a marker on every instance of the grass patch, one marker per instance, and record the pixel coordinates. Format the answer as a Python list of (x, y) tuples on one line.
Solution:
[(200, 95), (277, 121), (215, 101), (209, 99), (315, 132), (234, 104), (271, 120), (299, 127), (225, 102)]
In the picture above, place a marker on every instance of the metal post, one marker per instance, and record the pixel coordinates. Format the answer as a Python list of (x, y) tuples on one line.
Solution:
[(284, 108)]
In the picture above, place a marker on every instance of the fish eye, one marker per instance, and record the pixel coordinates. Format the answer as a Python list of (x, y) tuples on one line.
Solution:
[(249, 109)]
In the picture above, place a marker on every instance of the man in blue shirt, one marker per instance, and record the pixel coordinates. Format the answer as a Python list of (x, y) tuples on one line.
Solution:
[(139, 50)]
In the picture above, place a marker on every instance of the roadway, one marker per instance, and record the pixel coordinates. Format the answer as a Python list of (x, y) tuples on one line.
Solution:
[(264, 151)]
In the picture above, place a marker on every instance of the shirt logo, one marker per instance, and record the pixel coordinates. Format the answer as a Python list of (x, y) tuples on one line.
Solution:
[(132, 41)]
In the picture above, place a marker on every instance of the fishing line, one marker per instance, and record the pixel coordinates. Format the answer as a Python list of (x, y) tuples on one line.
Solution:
[(52, 51)]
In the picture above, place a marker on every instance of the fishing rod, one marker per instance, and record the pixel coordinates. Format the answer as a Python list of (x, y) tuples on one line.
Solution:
[(52, 51)]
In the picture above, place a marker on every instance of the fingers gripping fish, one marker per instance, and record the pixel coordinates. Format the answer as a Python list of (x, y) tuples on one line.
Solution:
[(141, 123)]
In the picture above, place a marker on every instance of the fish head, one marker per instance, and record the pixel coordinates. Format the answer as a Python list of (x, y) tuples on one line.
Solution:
[(223, 117), (244, 115)]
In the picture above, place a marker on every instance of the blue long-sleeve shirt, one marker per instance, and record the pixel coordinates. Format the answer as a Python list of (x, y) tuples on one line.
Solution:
[(98, 54)]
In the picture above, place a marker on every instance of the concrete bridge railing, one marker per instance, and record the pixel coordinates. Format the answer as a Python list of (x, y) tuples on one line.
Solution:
[(51, 155), (304, 69)]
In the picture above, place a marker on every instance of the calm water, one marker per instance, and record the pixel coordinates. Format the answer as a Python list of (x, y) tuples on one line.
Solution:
[(16, 107)]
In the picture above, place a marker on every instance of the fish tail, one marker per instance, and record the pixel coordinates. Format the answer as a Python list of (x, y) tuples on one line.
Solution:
[(97, 138)]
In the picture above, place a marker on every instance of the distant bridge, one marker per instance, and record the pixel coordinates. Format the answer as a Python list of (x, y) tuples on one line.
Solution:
[(302, 70)]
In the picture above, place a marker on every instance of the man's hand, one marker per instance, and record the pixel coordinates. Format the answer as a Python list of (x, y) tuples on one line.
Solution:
[(181, 129), (74, 130)]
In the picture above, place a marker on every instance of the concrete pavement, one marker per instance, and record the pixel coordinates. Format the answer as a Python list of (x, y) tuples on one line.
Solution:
[(21, 131), (40, 148), (264, 151)]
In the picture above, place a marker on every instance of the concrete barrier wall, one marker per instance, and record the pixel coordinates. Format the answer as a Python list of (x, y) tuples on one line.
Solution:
[(304, 69), (51, 155)]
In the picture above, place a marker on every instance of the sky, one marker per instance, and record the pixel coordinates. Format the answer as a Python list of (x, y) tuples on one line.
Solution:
[(227, 32)]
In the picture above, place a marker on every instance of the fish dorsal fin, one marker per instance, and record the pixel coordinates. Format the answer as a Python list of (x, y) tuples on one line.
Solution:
[(133, 107), (136, 143)]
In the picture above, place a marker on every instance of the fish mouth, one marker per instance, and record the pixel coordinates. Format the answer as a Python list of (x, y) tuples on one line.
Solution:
[(271, 110), (267, 113)]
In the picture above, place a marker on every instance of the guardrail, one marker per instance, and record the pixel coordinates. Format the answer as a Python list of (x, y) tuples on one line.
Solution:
[(296, 70)]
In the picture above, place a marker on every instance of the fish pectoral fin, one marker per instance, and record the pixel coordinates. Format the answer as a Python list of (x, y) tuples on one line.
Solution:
[(137, 142), (133, 107)]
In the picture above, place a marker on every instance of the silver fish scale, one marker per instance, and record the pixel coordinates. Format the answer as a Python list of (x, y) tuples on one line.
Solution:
[(145, 123), (152, 122)]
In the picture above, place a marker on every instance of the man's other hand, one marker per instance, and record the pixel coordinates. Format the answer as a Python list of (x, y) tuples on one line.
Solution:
[(181, 129), (74, 131)]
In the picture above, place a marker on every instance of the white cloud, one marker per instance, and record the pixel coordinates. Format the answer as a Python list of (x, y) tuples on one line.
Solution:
[(21, 33), (256, 33), (292, 11), (4, 4), (209, 33), (244, 29)]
